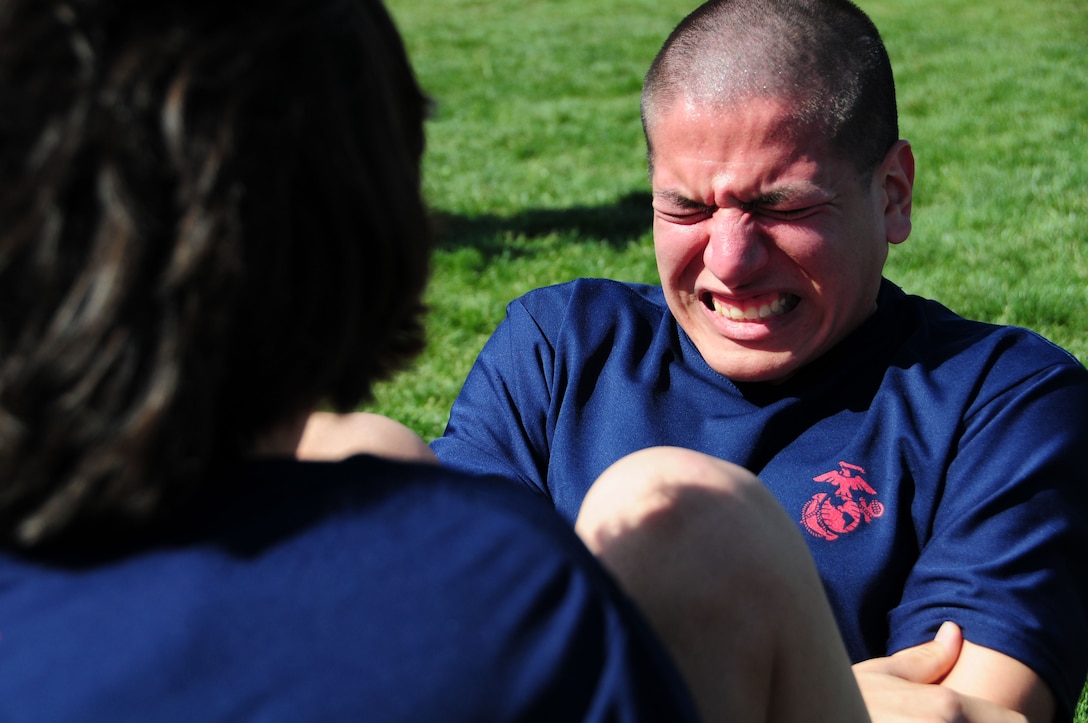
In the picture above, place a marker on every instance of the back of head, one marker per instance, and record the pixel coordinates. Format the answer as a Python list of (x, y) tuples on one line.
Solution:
[(825, 57), (210, 221)]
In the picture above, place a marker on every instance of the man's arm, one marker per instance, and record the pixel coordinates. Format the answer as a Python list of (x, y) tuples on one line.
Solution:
[(949, 679), (1011, 530), (988, 674)]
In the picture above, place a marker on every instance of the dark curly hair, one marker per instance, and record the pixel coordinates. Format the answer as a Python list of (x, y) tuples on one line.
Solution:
[(210, 221)]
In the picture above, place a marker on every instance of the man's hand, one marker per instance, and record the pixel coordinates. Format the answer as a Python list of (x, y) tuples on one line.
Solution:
[(906, 686)]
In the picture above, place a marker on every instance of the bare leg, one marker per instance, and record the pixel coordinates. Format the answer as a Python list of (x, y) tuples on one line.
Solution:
[(336, 436), (724, 577)]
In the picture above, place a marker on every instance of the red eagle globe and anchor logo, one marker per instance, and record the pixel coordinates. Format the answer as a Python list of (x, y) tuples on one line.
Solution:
[(830, 515)]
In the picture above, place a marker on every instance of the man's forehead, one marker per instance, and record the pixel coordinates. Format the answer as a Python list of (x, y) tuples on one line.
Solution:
[(764, 156), (775, 119)]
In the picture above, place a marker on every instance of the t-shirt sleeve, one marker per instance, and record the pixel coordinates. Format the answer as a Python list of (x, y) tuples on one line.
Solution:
[(498, 425), (1006, 553)]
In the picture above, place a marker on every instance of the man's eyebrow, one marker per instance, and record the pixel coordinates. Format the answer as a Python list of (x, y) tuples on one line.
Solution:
[(786, 195), (773, 198), (791, 194), (676, 199)]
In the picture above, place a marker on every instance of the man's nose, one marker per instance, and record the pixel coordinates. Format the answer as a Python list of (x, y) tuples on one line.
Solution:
[(736, 248)]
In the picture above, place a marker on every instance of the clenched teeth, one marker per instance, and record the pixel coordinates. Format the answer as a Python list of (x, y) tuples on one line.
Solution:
[(753, 312)]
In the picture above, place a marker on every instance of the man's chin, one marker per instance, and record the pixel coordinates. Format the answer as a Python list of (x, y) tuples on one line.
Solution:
[(750, 365)]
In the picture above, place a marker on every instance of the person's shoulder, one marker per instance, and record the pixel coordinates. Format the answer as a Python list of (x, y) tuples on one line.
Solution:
[(940, 333), (396, 493), (449, 518), (489, 501), (585, 290), (590, 302)]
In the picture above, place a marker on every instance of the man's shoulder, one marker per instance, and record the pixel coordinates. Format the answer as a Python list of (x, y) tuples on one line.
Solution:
[(623, 294), (587, 305), (938, 335)]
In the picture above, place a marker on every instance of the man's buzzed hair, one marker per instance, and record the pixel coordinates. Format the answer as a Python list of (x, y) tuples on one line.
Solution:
[(824, 56)]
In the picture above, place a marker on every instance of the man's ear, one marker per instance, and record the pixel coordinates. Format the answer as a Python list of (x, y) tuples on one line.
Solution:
[(896, 175)]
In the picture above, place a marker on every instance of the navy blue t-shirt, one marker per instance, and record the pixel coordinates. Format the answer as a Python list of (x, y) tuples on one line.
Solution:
[(362, 590), (936, 465)]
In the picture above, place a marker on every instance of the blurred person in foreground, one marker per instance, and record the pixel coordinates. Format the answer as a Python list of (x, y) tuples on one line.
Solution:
[(933, 464), (210, 226)]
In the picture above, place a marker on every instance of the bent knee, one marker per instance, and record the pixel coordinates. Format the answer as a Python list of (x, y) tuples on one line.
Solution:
[(670, 492), (656, 470)]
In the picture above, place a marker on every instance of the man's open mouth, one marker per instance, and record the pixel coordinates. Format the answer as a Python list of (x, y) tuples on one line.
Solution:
[(755, 309)]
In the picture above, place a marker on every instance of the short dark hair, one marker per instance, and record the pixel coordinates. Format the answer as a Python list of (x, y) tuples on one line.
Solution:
[(210, 221), (824, 56)]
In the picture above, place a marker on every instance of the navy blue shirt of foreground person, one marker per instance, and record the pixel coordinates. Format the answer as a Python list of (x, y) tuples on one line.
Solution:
[(360, 590)]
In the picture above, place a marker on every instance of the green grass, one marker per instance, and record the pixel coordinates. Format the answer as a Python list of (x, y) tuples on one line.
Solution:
[(536, 170), (535, 165)]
